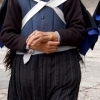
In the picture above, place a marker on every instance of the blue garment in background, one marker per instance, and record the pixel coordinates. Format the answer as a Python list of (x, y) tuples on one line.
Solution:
[(90, 39), (98, 20)]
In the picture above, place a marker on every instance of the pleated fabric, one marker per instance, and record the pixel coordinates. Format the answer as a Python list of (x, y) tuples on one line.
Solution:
[(53, 76)]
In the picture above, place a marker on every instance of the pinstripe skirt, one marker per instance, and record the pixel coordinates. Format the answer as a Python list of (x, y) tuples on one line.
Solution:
[(53, 76)]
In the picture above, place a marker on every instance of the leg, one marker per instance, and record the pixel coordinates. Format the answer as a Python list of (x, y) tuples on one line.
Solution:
[(69, 80), (12, 93)]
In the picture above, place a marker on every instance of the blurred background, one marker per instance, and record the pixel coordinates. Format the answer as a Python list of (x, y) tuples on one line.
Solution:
[(90, 84)]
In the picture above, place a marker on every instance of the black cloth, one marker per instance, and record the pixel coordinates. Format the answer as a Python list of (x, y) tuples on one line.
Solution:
[(3, 10), (46, 77), (88, 19), (89, 22), (72, 36)]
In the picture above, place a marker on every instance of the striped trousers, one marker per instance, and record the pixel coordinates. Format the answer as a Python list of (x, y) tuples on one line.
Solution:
[(53, 76)]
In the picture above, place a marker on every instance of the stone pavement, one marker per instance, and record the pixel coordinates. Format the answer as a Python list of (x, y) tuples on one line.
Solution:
[(90, 84)]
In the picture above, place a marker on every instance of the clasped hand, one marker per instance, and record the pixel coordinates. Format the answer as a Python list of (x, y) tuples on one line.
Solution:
[(43, 41)]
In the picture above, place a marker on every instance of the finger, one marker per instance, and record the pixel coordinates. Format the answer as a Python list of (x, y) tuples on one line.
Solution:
[(53, 47), (29, 37), (33, 38), (51, 51), (36, 42), (46, 38), (53, 43), (34, 33)]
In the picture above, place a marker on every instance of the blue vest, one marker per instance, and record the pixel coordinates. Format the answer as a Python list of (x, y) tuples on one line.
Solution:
[(42, 21)]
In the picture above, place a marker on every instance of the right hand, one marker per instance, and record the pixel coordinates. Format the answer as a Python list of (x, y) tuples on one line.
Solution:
[(47, 47)]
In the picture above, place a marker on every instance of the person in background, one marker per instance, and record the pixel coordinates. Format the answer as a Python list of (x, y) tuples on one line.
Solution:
[(43, 38)]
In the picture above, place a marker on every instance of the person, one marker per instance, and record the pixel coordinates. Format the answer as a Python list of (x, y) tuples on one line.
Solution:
[(43, 38)]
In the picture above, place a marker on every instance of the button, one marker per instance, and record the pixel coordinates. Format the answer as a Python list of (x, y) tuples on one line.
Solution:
[(42, 17)]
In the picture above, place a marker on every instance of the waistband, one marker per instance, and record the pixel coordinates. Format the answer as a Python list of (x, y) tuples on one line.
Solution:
[(59, 49), (27, 56)]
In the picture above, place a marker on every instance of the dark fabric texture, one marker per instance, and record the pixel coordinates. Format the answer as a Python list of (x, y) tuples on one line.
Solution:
[(72, 36), (46, 77), (89, 21), (3, 10), (90, 40)]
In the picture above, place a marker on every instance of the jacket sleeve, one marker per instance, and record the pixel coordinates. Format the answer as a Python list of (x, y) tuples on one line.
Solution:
[(10, 34), (3, 11), (74, 33)]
